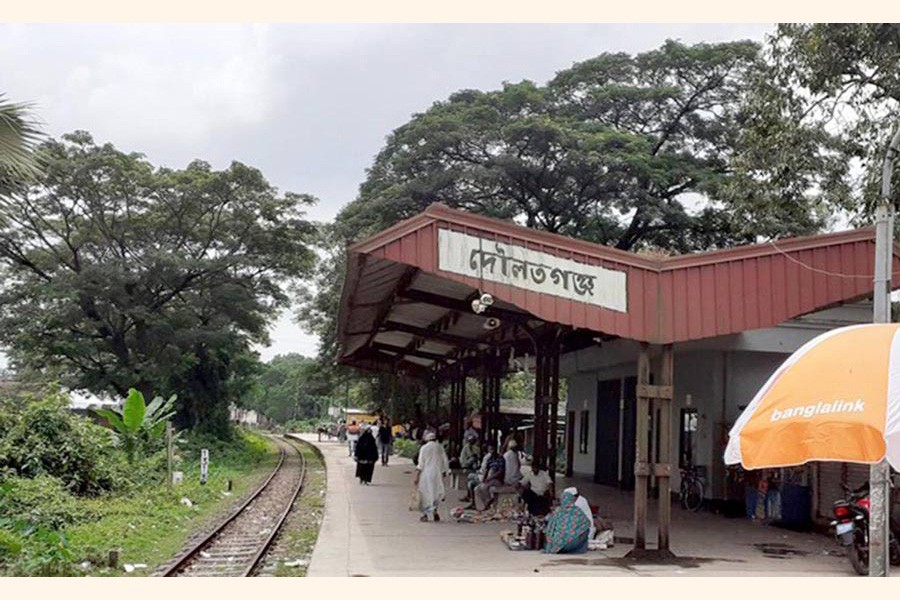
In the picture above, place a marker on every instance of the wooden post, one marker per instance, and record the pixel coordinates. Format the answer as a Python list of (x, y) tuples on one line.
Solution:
[(663, 470), (170, 454), (641, 458)]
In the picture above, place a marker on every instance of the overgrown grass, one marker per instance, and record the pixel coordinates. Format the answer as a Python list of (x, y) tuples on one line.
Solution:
[(150, 523)]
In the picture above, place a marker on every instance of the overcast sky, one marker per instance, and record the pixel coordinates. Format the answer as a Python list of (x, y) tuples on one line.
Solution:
[(309, 105)]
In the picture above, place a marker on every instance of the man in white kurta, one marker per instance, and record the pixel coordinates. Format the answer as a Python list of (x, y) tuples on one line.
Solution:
[(432, 465)]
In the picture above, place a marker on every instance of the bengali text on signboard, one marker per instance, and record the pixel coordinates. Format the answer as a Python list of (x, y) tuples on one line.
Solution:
[(528, 269)]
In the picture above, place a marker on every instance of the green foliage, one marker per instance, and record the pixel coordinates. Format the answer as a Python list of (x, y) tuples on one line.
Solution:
[(293, 387), (44, 552), (123, 275), (845, 79), (45, 530), (10, 545), (605, 151), (303, 425), (40, 502), (140, 427), (680, 149), (45, 438), (406, 448), (243, 449), (19, 134)]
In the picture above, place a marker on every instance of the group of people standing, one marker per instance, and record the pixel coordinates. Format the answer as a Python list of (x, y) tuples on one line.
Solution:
[(367, 443)]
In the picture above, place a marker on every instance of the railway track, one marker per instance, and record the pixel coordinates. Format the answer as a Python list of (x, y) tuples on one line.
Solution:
[(237, 547)]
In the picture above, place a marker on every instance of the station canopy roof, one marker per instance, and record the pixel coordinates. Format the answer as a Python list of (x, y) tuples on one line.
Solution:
[(406, 305)]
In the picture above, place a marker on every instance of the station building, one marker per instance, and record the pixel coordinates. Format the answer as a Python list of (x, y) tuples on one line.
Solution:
[(660, 354)]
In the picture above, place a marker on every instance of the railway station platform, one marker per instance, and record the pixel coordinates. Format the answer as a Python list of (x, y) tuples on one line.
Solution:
[(370, 531)]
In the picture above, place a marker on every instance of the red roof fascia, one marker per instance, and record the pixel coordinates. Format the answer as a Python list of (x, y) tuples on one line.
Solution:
[(670, 298)]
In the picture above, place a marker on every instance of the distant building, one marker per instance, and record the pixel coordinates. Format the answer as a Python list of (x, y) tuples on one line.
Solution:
[(247, 417)]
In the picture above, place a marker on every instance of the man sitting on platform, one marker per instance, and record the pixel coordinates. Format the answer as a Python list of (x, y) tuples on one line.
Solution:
[(470, 462), (535, 490)]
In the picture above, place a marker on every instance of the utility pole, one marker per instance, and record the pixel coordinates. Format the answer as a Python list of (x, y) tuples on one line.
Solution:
[(879, 473)]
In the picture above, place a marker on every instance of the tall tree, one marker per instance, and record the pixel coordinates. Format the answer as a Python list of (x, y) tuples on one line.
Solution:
[(658, 150), (849, 82), (119, 274)]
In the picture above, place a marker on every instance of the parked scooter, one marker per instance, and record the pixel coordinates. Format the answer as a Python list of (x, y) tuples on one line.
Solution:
[(851, 528)]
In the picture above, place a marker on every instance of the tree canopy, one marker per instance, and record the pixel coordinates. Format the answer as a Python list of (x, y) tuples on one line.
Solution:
[(679, 149), (291, 386), (119, 274), (847, 81)]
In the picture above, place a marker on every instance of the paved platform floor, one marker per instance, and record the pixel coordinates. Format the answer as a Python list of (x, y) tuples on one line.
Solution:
[(369, 531)]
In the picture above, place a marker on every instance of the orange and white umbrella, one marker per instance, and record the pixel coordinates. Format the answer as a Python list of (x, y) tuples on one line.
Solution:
[(835, 399)]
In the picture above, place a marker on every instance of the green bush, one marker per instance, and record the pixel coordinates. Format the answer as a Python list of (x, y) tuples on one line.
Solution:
[(41, 502), (42, 552), (406, 448), (46, 438), (302, 425), (10, 545), (245, 448)]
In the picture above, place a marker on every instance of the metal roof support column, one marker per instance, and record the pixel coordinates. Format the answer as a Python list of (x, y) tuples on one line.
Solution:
[(539, 450), (454, 401), (461, 412), (495, 400), (554, 406), (485, 400)]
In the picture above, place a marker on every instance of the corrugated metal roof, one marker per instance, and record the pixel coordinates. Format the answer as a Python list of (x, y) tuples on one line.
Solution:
[(395, 284)]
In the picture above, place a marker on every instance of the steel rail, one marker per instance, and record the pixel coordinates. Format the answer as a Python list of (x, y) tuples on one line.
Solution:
[(192, 553), (277, 529)]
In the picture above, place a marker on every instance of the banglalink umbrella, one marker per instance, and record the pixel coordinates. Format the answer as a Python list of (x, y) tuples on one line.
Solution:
[(835, 399)]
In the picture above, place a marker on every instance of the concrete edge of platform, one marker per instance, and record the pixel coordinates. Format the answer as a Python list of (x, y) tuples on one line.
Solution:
[(331, 553), (313, 568)]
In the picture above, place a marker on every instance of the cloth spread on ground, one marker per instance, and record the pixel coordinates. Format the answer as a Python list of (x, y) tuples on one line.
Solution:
[(465, 515)]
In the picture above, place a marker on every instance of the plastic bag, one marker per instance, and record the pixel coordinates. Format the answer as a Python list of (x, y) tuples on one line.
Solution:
[(414, 500)]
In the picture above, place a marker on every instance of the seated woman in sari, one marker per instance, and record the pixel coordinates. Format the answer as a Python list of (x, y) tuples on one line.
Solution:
[(567, 528)]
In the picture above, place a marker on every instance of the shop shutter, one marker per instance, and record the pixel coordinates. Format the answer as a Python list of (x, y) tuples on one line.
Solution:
[(857, 475), (831, 475)]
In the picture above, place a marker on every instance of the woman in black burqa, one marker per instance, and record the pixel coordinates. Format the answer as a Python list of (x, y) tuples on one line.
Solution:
[(366, 456)]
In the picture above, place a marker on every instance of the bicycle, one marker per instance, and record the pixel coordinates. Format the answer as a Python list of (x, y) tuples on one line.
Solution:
[(691, 489)]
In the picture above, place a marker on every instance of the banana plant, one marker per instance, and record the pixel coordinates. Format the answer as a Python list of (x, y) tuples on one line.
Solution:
[(138, 423)]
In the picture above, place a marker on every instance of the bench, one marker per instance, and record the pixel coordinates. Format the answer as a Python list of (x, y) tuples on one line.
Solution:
[(457, 477)]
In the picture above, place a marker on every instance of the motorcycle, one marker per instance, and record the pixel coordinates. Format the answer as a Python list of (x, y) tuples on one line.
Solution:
[(851, 528)]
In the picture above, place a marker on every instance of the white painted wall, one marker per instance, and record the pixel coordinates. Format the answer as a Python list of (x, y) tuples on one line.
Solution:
[(583, 396), (720, 374)]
